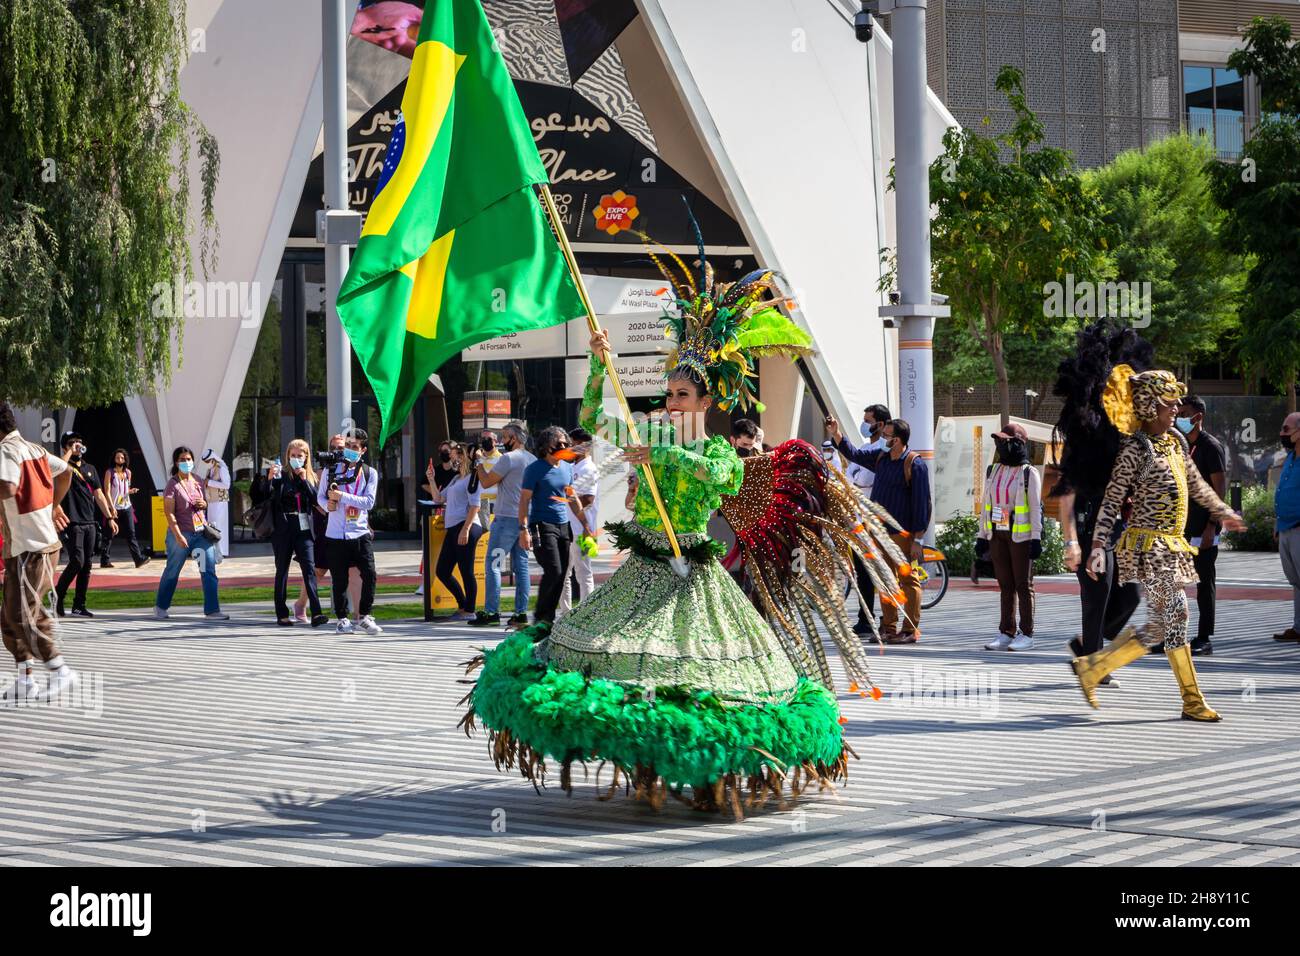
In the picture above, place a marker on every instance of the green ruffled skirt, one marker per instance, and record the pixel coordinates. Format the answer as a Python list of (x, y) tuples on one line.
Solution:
[(676, 681)]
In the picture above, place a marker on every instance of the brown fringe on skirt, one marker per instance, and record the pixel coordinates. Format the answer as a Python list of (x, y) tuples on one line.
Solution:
[(728, 793)]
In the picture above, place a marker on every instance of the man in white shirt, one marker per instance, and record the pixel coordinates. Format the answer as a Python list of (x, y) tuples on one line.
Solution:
[(32, 484), (874, 420), (582, 518), (218, 488)]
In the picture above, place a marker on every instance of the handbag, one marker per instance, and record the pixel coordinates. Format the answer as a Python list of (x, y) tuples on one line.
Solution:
[(260, 519)]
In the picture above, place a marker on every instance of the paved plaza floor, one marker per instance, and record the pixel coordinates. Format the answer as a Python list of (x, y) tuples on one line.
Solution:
[(244, 743)]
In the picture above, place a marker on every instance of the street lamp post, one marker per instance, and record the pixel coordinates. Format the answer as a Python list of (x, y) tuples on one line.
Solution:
[(916, 310)]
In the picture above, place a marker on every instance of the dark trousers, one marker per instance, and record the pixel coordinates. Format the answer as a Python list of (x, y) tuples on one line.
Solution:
[(125, 529), (349, 553), (1204, 562), (1014, 569), (551, 549), (288, 544), (866, 606), (79, 539), (459, 557), (1107, 606)]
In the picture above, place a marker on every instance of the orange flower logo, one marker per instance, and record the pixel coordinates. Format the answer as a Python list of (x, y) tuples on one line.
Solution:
[(615, 212)]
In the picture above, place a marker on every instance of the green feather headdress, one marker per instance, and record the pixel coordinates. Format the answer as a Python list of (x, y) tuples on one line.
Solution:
[(722, 330)]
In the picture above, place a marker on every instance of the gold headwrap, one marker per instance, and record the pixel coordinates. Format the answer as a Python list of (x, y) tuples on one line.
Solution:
[(1130, 399)]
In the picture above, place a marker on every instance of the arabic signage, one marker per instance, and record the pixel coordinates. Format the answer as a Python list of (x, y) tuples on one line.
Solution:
[(586, 155), (630, 310), (639, 375)]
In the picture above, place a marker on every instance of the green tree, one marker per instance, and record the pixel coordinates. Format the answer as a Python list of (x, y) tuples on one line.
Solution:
[(1261, 197), (1167, 226), (94, 196), (1004, 230)]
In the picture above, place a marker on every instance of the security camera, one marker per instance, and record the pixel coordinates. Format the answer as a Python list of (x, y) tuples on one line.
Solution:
[(862, 26)]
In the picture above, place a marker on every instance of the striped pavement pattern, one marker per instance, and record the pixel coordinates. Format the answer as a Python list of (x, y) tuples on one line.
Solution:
[(247, 744)]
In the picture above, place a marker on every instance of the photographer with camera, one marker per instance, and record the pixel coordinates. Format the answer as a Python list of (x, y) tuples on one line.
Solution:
[(347, 493), (293, 493)]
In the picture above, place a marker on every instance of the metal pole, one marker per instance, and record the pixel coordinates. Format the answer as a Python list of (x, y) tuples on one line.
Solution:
[(912, 176), (338, 352)]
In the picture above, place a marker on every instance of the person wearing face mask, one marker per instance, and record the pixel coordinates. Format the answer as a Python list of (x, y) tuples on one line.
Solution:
[(901, 487), (872, 429), (292, 492), (1011, 533), (744, 438), (1209, 457), (489, 453), (504, 479), (319, 524), (347, 493), (1154, 470), (85, 506), (185, 507), (443, 472), (1286, 507), (120, 489)]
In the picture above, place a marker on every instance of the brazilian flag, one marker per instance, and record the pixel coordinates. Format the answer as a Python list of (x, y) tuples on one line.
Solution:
[(456, 248)]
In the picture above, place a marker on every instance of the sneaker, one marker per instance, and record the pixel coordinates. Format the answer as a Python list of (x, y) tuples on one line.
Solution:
[(65, 678), (419, 592), (142, 562), (22, 690), (344, 626), (1021, 642), (368, 625), (81, 612), (483, 619), (518, 620), (999, 643), (1290, 634), (217, 616), (320, 620), (160, 613)]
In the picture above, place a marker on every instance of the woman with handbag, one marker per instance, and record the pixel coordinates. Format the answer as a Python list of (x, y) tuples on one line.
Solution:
[(292, 495), (120, 489), (188, 533)]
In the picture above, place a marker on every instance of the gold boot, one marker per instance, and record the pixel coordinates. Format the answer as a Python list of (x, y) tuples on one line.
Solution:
[(1091, 669), (1194, 705)]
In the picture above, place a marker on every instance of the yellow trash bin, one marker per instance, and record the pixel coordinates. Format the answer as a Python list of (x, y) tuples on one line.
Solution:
[(438, 599), (159, 526)]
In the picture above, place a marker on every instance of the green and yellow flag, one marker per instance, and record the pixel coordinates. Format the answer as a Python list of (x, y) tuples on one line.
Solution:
[(456, 248)]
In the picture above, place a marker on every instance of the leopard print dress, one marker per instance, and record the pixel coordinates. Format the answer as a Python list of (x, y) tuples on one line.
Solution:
[(1158, 475)]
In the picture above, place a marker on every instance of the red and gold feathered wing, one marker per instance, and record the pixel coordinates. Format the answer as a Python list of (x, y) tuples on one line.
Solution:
[(799, 524)]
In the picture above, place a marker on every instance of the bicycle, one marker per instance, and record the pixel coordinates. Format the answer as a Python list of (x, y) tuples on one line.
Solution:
[(932, 574)]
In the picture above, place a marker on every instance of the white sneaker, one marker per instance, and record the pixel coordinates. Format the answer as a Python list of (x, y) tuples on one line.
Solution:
[(65, 678), (1022, 642), (22, 690), (368, 625), (217, 616), (419, 592), (344, 626), (999, 643), (160, 613)]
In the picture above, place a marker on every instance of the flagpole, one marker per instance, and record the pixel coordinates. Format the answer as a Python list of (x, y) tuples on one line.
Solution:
[(594, 324)]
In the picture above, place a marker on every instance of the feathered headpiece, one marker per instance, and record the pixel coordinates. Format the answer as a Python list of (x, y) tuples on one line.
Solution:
[(722, 329)]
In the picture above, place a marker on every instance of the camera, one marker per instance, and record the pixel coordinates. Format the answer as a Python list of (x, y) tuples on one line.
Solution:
[(862, 26), (328, 459)]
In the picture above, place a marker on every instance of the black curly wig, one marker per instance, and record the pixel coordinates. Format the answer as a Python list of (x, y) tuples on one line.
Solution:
[(1091, 441)]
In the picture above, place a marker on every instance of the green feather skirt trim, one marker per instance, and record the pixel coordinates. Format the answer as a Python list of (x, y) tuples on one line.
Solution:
[(680, 737)]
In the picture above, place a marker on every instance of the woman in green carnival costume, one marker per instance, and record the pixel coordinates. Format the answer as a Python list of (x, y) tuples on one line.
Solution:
[(677, 681)]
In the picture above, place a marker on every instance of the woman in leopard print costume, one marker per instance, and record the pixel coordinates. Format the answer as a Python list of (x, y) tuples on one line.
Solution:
[(1154, 469)]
